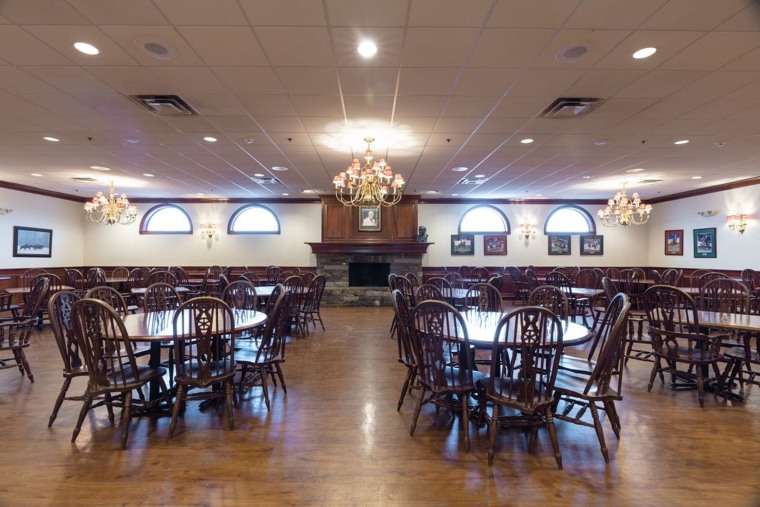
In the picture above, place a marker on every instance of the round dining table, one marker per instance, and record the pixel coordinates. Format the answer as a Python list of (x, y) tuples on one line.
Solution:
[(481, 327), (158, 327)]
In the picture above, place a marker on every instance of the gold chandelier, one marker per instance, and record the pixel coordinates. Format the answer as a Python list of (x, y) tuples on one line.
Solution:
[(113, 209), (370, 184), (621, 210)]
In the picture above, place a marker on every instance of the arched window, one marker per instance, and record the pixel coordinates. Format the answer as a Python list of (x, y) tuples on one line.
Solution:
[(253, 219), (570, 219), (484, 219), (166, 219)]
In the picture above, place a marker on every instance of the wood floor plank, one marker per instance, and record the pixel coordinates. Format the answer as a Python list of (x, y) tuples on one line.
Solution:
[(336, 439)]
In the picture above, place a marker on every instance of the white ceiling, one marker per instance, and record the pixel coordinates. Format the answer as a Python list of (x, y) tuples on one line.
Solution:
[(454, 83)]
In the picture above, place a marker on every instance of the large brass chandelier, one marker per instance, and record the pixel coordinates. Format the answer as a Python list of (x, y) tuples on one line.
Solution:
[(372, 184), (111, 209), (621, 210)]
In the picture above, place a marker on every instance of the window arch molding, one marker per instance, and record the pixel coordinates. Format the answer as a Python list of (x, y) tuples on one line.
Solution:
[(157, 220), (569, 219), (484, 214), (253, 219)]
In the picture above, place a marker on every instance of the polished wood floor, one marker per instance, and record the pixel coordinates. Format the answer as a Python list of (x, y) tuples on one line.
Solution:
[(336, 439)]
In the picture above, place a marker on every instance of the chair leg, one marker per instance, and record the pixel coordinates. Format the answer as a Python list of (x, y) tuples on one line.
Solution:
[(466, 422), (282, 379), (109, 407), (612, 415), (24, 364), (493, 426), (417, 412), (553, 436), (125, 409), (655, 369), (228, 387), (265, 388), (59, 401), (175, 409), (82, 412), (700, 387), (599, 431)]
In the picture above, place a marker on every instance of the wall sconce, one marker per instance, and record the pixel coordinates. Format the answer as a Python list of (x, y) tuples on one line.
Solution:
[(737, 223), (208, 231), (5, 211), (526, 231)]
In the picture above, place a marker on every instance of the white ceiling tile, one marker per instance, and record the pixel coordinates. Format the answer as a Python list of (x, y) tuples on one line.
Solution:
[(283, 124), (368, 106), (748, 62), (546, 83), (63, 38), (533, 14), (419, 105), (190, 80), (713, 51), (457, 125), (215, 105), (612, 14), (127, 37), (719, 109), (471, 106), (437, 47), (21, 48), (693, 14), (660, 83), (25, 12), (427, 81), (521, 107), (671, 107), (249, 80), (346, 41), (492, 82), (603, 83), (717, 84), (15, 80), (70, 79), (224, 45), (202, 12), (667, 44), (277, 13), (130, 80), (14, 105), (598, 44), (369, 81), (268, 105), (622, 107), (504, 126), (360, 13), (443, 13), (118, 12), (508, 48), (308, 80), (296, 46), (317, 105)]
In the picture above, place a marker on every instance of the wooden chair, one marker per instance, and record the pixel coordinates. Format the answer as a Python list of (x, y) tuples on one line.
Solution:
[(672, 276), (405, 350), (134, 280), (638, 346), (113, 297), (581, 385), (443, 285), (483, 297), (54, 286), (241, 295), (28, 276), (74, 278), (15, 331), (497, 281), (120, 272), (273, 273), (677, 340), (552, 298), (251, 277), (405, 286), (479, 274), (308, 276), (528, 343), (445, 361), (613, 274), (161, 297), (263, 360), (455, 280), (204, 349), (705, 278), (694, 277), (96, 277), (183, 280), (7, 304), (580, 306), (520, 284), (428, 291), (161, 276), (111, 365), (311, 308), (412, 277), (531, 280), (294, 285)]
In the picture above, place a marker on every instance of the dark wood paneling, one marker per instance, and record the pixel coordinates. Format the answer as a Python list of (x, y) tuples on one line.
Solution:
[(406, 221), (378, 247), (341, 223), (333, 222)]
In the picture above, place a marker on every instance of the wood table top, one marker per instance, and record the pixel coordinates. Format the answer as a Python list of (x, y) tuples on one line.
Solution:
[(481, 327), (140, 291), (159, 326), (26, 290)]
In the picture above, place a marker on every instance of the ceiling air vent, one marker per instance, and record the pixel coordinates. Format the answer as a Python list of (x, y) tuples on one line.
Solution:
[(266, 180), (644, 182), (164, 105), (472, 181), (84, 179), (567, 107)]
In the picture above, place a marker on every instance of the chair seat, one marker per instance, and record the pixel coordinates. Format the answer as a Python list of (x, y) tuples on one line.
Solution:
[(681, 355), (500, 385), (130, 376), (192, 369), (577, 364)]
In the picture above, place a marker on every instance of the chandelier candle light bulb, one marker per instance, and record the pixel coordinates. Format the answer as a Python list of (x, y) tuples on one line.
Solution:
[(111, 209), (623, 211), (370, 184)]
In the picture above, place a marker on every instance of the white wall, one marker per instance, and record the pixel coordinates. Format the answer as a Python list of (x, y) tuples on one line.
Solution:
[(123, 245), (64, 218), (734, 250), (622, 246)]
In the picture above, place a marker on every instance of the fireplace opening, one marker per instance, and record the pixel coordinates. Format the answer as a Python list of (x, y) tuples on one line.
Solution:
[(368, 274)]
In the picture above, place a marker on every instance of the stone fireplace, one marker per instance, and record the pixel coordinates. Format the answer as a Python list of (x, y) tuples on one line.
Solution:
[(333, 260)]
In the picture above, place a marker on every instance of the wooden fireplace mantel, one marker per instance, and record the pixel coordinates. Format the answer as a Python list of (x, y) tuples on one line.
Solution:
[(377, 247)]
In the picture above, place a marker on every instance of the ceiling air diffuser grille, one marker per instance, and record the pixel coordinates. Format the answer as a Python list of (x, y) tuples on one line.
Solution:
[(164, 105), (567, 107)]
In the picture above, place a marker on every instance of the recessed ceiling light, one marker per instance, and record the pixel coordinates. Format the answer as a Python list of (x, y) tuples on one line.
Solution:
[(147, 175), (460, 169), (248, 140), (431, 191), (155, 48), (539, 195), (279, 168), (601, 142), (132, 140), (367, 49), (200, 193), (259, 175), (696, 177), (636, 170), (681, 141), (572, 53), (84, 47), (587, 177), (51, 139), (285, 194), (454, 195), (37, 175), (644, 53), (210, 139), (99, 168), (480, 176), (527, 140)]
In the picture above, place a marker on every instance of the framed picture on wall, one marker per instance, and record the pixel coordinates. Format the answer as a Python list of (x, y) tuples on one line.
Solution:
[(705, 243), (495, 244), (369, 218), (462, 244), (592, 244), (559, 244), (32, 242), (674, 242)]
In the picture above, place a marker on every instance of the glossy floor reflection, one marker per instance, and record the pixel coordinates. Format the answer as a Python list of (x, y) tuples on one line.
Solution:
[(337, 439)]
